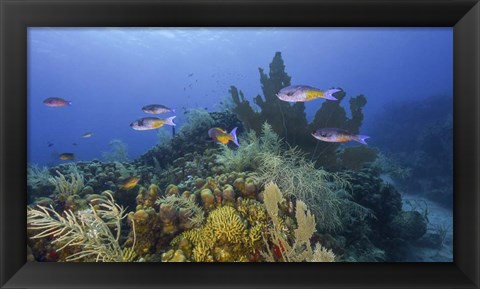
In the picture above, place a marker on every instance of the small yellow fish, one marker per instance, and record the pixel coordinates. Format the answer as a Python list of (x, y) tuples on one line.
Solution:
[(66, 156), (221, 135), (129, 183)]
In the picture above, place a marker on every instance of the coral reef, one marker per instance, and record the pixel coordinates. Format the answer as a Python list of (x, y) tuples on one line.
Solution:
[(245, 157), (67, 188), (281, 196), (389, 228), (190, 140), (247, 230), (223, 238), (38, 181), (293, 173), (354, 158), (422, 144), (298, 250), (387, 165), (118, 152), (289, 121), (411, 225), (85, 234)]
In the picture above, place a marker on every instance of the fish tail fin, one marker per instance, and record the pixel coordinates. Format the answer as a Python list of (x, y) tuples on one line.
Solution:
[(329, 94), (173, 110), (234, 136), (361, 139), (169, 120)]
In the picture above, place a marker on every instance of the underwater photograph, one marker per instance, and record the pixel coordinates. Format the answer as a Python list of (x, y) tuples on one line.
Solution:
[(178, 144)]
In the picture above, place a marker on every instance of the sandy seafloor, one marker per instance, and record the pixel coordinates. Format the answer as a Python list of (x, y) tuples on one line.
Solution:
[(437, 216)]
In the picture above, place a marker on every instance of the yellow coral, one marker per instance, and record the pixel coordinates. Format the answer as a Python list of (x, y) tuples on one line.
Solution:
[(226, 224), (174, 256), (254, 235), (128, 255), (194, 236), (253, 211), (201, 253), (224, 237), (298, 248)]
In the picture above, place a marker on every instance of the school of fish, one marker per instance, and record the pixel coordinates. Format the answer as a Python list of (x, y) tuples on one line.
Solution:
[(292, 93)]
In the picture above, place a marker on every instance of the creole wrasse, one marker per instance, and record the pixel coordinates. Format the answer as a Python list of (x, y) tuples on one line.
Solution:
[(221, 135), (129, 183), (157, 109), (148, 123), (338, 135), (302, 93), (67, 156), (56, 102)]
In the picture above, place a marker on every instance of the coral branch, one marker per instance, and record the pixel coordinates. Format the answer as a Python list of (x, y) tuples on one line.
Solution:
[(87, 232), (298, 250)]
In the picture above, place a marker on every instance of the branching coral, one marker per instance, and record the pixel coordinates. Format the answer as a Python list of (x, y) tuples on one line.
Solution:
[(292, 172), (298, 177), (245, 157), (191, 210), (298, 250), (225, 237), (253, 211), (164, 136), (197, 119), (226, 224), (65, 187), (38, 176), (387, 165), (124, 172), (118, 153), (86, 232)]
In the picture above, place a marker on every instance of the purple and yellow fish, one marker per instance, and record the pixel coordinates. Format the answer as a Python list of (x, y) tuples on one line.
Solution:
[(221, 135), (67, 156), (129, 183), (56, 102), (148, 123), (157, 109), (338, 135), (302, 93)]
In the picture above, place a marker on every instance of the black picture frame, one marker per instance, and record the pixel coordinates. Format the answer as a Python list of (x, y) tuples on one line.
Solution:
[(17, 15)]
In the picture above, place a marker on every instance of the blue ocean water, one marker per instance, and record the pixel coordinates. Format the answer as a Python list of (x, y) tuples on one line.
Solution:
[(110, 73), (403, 176)]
